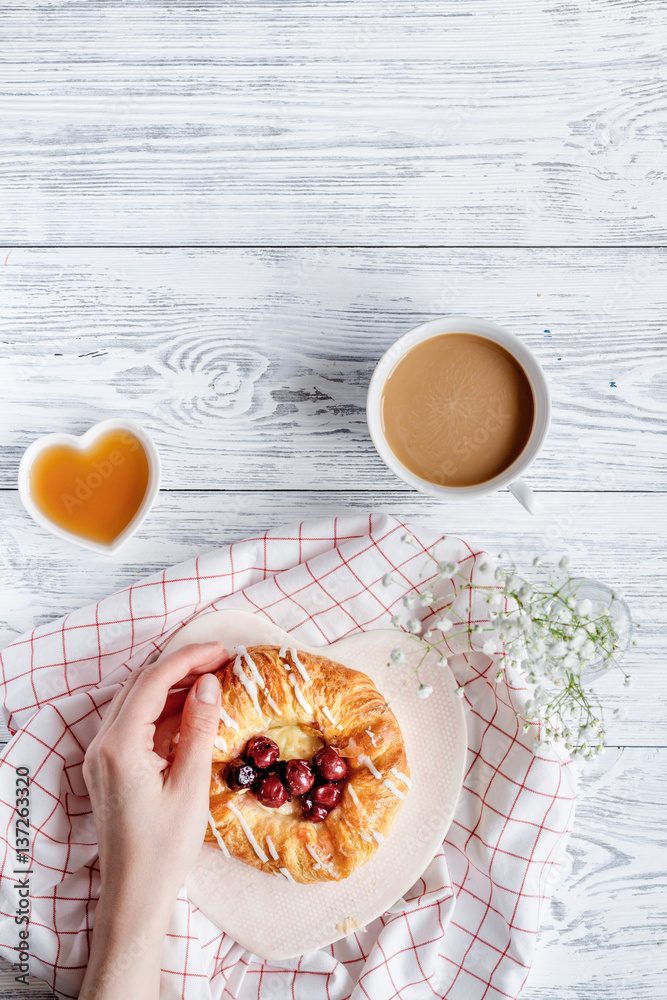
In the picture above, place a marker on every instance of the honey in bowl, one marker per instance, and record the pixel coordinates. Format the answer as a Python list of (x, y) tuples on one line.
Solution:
[(457, 409), (96, 492)]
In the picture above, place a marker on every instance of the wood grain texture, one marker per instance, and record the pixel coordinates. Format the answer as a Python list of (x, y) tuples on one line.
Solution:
[(617, 538), (334, 122), (250, 368)]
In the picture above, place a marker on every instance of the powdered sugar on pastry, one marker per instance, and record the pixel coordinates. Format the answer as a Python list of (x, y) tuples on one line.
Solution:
[(325, 711), (272, 848), (254, 672), (299, 695), (392, 788), (353, 794), (214, 830), (248, 684), (402, 777), (248, 832), (367, 762), (321, 863), (299, 665), (228, 721), (371, 737)]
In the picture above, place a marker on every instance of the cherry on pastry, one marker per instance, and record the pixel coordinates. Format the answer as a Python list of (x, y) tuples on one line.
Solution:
[(329, 764), (239, 774), (262, 752), (299, 776), (312, 811), (327, 796), (271, 791)]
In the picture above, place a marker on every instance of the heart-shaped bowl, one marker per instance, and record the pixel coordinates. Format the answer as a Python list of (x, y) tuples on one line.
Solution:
[(83, 444)]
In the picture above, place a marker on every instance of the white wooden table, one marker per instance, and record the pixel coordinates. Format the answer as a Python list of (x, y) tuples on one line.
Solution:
[(215, 218)]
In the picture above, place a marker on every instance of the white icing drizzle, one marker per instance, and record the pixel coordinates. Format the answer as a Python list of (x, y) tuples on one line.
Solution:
[(272, 848), (379, 837), (325, 711), (367, 762), (403, 777), (320, 862), (299, 696), (214, 830), (392, 788), (282, 651), (371, 737), (220, 744), (272, 703), (228, 721), (254, 672), (364, 836), (299, 665), (248, 832), (353, 794), (248, 684), (288, 875)]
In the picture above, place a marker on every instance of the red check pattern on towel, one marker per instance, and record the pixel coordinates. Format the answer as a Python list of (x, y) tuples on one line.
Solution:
[(465, 931)]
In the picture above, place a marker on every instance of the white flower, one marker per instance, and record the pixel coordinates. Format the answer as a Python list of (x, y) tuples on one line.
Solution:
[(584, 608), (426, 598), (409, 600), (460, 691), (537, 561), (499, 573), (571, 661), (414, 625), (395, 621), (443, 661), (397, 655), (496, 601), (564, 562), (484, 567), (621, 713), (616, 594), (513, 584), (447, 568), (499, 676), (428, 634), (558, 648), (587, 649), (524, 592), (387, 580), (444, 624), (489, 647), (577, 640), (425, 691), (629, 681), (408, 539)]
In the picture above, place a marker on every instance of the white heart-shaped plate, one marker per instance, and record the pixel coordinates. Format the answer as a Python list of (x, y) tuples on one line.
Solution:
[(276, 919), (83, 443)]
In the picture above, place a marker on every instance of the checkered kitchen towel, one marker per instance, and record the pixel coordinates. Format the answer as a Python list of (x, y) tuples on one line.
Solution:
[(468, 927)]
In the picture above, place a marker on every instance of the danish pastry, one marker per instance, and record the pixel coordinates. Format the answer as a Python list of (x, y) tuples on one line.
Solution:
[(309, 768)]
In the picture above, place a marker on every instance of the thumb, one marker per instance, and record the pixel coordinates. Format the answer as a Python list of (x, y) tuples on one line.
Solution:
[(199, 726)]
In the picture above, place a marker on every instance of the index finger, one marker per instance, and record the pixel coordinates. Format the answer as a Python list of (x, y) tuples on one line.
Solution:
[(147, 696)]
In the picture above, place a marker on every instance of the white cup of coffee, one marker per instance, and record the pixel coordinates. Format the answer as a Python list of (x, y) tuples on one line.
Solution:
[(458, 408)]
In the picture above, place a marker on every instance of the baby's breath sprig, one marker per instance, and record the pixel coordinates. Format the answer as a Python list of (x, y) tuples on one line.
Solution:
[(548, 632)]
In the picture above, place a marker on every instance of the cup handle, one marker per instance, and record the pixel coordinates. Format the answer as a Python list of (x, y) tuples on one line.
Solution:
[(522, 492)]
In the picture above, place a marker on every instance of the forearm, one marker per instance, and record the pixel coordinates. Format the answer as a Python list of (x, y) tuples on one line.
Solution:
[(126, 949)]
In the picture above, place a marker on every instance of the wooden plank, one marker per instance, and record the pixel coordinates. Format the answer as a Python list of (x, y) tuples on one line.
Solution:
[(250, 368), (616, 538), (332, 122), (603, 934)]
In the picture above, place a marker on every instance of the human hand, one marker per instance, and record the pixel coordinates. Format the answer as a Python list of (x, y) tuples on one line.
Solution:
[(151, 814)]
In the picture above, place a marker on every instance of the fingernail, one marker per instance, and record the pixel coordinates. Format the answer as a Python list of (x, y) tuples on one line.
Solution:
[(208, 689)]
